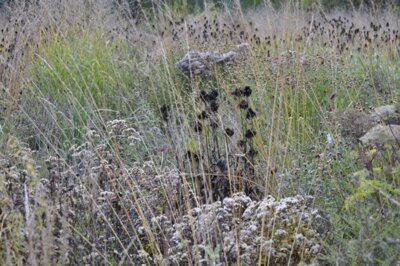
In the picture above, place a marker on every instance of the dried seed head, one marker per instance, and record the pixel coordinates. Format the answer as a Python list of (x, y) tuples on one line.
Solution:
[(214, 106), (192, 155), (221, 164), (164, 112), (251, 153), (209, 97), (204, 96), (213, 95), (250, 114), (243, 105), (203, 115), (250, 133), (246, 91), (229, 132), (214, 125), (198, 127)]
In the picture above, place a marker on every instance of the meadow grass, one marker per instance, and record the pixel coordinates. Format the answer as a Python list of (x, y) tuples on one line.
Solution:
[(105, 142)]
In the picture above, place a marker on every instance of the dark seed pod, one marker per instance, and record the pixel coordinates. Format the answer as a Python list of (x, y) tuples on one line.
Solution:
[(203, 115), (250, 114), (229, 132), (164, 112), (251, 153), (273, 170), (214, 125), (250, 133), (221, 164), (243, 105), (204, 96), (198, 127), (214, 106), (192, 156), (246, 91), (213, 95)]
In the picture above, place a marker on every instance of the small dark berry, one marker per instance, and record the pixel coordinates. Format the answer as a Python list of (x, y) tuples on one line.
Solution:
[(273, 171), (251, 153), (213, 95), (214, 125), (203, 115), (221, 164), (164, 112), (246, 91), (243, 104), (250, 133), (198, 127), (204, 96), (214, 106), (250, 114), (192, 156), (229, 132)]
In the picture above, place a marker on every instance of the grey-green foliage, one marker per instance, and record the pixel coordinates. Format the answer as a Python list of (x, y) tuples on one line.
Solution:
[(193, 6)]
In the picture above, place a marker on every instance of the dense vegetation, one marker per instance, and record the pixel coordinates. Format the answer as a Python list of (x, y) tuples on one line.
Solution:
[(178, 135)]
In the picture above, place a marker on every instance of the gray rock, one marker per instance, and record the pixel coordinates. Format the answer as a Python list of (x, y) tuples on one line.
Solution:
[(389, 114), (201, 63), (382, 134)]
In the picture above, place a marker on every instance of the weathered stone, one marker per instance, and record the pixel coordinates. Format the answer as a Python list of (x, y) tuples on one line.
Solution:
[(389, 114), (201, 63), (382, 134)]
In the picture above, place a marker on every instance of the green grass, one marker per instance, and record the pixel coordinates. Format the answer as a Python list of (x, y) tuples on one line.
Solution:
[(78, 79), (75, 75)]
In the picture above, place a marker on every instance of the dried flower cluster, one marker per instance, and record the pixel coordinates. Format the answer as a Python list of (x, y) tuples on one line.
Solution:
[(103, 200), (240, 230)]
